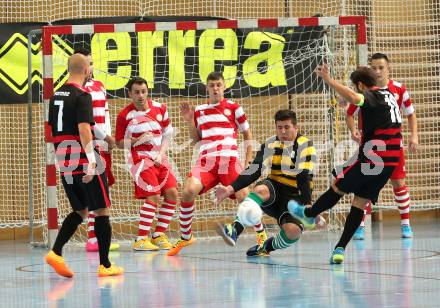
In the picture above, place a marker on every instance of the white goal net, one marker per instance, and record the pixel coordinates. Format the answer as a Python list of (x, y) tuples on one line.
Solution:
[(268, 64)]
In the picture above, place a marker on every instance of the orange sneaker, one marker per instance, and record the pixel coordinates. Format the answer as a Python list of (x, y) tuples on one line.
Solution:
[(177, 247), (113, 270), (58, 264)]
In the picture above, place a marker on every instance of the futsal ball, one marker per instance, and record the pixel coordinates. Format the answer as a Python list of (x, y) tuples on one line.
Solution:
[(249, 213)]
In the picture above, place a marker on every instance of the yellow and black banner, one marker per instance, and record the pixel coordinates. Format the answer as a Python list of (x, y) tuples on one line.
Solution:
[(254, 61)]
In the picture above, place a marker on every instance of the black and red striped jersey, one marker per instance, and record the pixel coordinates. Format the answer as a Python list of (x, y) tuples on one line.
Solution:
[(381, 125), (69, 106)]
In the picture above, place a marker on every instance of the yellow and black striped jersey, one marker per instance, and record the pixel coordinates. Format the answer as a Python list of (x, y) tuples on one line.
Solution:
[(288, 163), (286, 160)]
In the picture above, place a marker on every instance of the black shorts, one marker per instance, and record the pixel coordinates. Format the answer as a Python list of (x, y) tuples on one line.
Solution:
[(356, 179), (276, 205), (92, 196)]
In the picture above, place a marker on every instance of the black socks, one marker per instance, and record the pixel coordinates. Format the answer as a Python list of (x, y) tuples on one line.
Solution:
[(103, 231), (326, 201), (352, 222), (67, 230)]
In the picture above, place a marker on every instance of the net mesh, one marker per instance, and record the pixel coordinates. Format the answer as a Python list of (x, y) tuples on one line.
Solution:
[(301, 49)]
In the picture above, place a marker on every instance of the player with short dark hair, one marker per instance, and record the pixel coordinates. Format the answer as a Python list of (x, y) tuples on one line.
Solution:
[(104, 141), (290, 158), (144, 128), (70, 118), (378, 155), (380, 64), (215, 126)]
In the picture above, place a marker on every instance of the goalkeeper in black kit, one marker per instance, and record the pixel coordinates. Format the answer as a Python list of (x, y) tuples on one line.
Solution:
[(289, 158)]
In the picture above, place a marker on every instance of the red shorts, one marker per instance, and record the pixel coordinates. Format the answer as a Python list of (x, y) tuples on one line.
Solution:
[(213, 170), (150, 180), (399, 171), (108, 168)]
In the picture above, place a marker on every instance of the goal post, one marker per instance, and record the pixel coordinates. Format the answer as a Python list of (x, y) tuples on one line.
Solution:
[(267, 63)]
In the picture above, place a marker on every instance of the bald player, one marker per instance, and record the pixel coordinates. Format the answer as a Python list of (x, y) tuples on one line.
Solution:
[(70, 118)]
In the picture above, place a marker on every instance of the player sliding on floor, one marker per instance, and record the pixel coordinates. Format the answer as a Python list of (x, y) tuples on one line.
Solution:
[(290, 158)]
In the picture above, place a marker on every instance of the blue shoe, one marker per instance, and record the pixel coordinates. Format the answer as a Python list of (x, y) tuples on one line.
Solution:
[(337, 256), (406, 231), (359, 234), (228, 233), (297, 211), (257, 251)]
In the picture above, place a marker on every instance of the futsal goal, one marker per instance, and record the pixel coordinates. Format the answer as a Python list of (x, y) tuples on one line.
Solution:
[(268, 65)]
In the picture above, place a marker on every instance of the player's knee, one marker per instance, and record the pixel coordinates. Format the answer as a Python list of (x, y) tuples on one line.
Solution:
[(171, 194), (292, 231), (262, 191), (397, 183), (190, 191), (360, 203), (153, 199)]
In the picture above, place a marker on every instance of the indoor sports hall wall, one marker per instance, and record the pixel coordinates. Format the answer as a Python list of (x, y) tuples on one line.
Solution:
[(406, 30)]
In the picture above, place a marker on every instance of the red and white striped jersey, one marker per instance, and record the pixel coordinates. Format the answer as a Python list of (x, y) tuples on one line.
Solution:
[(401, 95), (101, 113), (218, 125), (132, 123)]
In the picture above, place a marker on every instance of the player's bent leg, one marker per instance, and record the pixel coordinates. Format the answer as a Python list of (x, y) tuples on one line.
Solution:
[(352, 222), (325, 202), (68, 228), (286, 237), (280, 241), (146, 216), (264, 193), (231, 232), (193, 187), (297, 211), (166, 212)]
